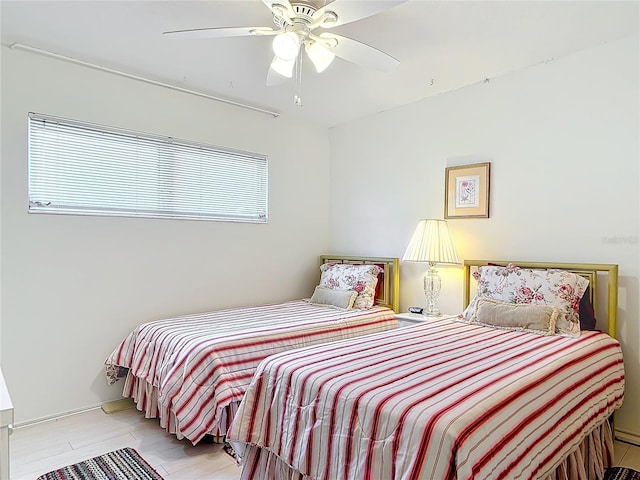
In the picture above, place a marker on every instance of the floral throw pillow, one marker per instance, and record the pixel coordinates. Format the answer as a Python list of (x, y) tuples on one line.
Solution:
[(359, 278), (556, 288)]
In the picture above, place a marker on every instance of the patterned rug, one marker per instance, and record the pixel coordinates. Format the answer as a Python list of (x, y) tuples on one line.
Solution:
[(621, 473), (123, 464)]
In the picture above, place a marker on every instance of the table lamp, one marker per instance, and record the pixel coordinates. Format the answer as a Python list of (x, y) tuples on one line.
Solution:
[(432, 244)]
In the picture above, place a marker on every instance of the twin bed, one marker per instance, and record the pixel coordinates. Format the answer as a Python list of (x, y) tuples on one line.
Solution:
[(192, 371), (477, 397), (482, 396)]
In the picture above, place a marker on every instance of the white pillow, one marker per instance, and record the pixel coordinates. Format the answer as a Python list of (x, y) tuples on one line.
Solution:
[(337, 298), (525, 317)]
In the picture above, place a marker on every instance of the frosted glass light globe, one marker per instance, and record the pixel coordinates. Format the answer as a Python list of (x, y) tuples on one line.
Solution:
[(286, 45)]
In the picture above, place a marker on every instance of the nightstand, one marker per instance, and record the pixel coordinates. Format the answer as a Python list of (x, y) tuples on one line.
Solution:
[(407, 319)]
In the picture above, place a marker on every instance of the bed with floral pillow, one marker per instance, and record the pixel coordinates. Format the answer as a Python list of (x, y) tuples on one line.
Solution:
[(511, 389), (191, 371)]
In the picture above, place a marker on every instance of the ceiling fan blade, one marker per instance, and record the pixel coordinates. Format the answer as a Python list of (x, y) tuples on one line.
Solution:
[(349, 11), (360, 53), (275, 7), (218, 32)]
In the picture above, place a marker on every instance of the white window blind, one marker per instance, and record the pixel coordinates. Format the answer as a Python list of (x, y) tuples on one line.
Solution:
[(88, 169)]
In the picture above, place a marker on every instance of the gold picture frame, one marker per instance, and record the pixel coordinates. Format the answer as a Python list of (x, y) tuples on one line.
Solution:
[(466, 191)]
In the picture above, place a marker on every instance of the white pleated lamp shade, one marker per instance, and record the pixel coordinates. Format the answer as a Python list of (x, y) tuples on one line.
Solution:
[(431, 243)]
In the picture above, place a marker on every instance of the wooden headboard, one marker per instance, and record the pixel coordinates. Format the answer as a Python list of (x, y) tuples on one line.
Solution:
[(389, 291), (589, 271)]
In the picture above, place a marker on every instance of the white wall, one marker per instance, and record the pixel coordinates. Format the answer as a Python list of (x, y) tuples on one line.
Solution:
[(562, 138), (74, 286), (563, 141)]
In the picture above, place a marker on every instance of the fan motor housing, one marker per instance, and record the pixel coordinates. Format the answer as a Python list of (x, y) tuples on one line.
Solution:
[(303, 14)]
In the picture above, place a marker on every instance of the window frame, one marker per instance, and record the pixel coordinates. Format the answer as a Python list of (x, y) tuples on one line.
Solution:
[(181, 160)]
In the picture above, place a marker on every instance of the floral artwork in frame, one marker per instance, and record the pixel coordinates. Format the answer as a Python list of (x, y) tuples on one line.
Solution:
[(467, 191)]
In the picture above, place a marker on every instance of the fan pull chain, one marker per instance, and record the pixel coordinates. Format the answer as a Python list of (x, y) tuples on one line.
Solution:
[(297, 97)]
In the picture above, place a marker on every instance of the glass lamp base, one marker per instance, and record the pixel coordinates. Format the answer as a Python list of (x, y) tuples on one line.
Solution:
[(432, 285)]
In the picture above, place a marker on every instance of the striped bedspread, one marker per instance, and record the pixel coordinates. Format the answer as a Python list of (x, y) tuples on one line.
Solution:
[(188, 370), (442, 400)]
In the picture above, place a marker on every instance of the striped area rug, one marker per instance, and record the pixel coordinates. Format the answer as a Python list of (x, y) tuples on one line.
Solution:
[(621, 473), (123, 464)]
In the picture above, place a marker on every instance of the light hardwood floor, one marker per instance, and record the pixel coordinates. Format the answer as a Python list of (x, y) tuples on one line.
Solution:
[(40, 448)]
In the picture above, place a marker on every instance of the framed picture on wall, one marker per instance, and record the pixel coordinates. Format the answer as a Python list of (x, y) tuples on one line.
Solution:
[(466, 191)]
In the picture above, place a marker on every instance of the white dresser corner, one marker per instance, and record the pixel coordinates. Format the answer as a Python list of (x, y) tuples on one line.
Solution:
[(6, 426)]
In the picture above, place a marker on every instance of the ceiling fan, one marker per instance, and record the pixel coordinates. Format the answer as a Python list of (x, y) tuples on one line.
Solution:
[(296, 23)]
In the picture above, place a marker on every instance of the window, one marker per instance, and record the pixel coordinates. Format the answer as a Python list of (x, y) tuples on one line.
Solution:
[(88, 169)]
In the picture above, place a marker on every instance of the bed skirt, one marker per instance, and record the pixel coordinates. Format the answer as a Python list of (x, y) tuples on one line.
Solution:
[(586, 462), (145, 397), (590, 460)]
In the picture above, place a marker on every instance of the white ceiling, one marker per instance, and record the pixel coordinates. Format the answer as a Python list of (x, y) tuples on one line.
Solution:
[(441, 45)]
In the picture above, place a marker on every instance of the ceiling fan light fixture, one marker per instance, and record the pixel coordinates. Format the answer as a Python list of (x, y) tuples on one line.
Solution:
[(319, 55), (283, 67), (286, 45)]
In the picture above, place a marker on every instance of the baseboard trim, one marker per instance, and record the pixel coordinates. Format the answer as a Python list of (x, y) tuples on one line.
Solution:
[(627, 437), (107, 407), (56, 416), (117, 405)]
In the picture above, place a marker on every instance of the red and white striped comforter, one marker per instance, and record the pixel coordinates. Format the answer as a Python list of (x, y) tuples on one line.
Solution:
[(188, 370), (443, 400)]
